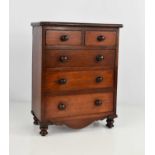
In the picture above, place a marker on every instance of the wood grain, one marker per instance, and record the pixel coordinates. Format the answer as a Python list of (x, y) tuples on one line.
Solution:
[(80, 58), (77, 80), (91, 38), (53, 37), (77, 105), (67, 91), (37, 71)]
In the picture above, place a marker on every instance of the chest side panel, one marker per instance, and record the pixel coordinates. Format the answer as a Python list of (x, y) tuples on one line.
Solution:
[(36, 71)]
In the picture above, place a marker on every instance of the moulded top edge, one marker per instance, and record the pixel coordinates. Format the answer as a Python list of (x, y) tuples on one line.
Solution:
[(76, 24)]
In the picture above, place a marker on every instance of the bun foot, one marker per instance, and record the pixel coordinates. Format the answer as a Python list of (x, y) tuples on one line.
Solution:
[(43, 130), (110, 122)]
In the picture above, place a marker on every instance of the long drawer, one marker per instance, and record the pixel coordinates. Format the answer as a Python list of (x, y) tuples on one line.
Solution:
[(80, 58), (65, 106), (77, 80)]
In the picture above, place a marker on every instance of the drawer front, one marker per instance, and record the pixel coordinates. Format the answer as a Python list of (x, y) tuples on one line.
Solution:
[(63, 37), (77, 80), (65, 106), (100, 38), (80, 58)]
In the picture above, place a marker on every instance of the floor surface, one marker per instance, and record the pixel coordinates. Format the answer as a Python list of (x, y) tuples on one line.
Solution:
[(126, 138)]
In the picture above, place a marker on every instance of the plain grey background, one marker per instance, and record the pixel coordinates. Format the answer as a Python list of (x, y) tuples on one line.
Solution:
[(130, 13)]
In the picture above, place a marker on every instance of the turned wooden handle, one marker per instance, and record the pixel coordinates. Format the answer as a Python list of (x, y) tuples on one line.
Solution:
[(63, 58), (99, 57), (61, 106), (100, 38), (98, 102), (62, 81), (99, 79), (64, 37)]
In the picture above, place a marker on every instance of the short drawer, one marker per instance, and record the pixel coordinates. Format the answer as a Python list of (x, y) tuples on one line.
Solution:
[(77, 80), (80, 58), (100, 38), (85, 104), (54, 37)]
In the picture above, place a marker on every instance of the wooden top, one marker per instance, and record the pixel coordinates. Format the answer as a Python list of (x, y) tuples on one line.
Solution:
[(75, 24)]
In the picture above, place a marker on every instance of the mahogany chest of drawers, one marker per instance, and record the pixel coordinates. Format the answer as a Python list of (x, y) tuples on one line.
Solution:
[(74, 73)]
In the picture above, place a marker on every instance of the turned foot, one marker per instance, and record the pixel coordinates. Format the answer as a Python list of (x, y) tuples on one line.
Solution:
[(110, 122), (43, 130)]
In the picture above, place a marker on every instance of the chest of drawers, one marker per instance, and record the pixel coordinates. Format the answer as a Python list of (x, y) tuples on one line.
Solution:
[(74, 73)]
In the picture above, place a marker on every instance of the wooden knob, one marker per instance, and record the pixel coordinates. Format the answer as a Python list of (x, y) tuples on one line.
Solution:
[(99, 57), (62, 81), (99, 79), (98, 102), (64, 38), (61, 106), (63, 58), (100, 38)]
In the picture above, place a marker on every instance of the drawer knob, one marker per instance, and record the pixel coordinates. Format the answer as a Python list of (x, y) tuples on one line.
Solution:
[(62, 81), (63, 58), (99, 79), (99, 57), (64, 38), (61, 106), (98, 102), (100, 38)]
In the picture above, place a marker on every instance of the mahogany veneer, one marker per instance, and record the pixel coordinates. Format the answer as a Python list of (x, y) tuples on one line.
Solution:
[(74, 73)]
